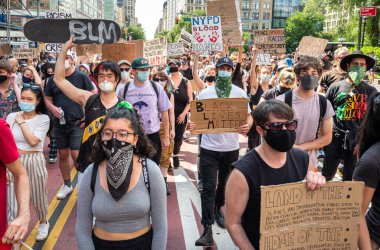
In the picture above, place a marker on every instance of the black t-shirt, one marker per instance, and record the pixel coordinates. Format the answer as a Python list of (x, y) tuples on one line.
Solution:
[(188, 73), (330, 77), (237, 76), (255, 99), (93, 123), (258, 173), (368, 171), (73, 111), (181, 98), (274, 92), (349, 113)]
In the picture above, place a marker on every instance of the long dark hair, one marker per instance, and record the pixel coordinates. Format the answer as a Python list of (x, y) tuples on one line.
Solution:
[(143, 147), (369, 132)]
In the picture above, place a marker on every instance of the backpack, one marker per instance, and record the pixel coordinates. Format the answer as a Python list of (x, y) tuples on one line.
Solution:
[(151, 82), (145, 173), (322, 107)]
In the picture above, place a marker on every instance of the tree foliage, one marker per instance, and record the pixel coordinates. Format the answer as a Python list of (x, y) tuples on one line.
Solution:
[(136, 33)]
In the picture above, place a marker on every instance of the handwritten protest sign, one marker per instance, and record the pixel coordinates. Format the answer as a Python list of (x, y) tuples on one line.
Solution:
[(5, 49), (270, 41), (155, 51), (229, 12), (312, 46), (294, 218), (175, 49), (25, 53), (83, 49), (58, 15), (219, 115), (139, 47), (207, 34), (186, 38), (263, 59), (118, 51)]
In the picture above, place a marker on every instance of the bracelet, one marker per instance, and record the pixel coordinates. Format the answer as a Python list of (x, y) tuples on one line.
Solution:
[(21, 123)]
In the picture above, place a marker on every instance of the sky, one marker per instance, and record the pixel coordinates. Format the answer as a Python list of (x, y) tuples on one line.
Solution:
[(149, 13)]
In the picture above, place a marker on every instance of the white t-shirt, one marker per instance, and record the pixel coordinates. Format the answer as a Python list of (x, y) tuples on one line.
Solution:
[(222, 142)]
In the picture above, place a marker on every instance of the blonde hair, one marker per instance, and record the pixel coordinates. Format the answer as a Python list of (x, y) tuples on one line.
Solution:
[(287, 77), (209, 67), (340, 50)]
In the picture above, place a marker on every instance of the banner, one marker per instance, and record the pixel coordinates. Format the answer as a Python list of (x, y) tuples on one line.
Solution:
[(207, 34), (118, 51), (219, 115), (312, 46), (175, 49), (229, 11), (155, 47), (326, 218), (270, 41), (156, 60), (263, 59), (25, 53)]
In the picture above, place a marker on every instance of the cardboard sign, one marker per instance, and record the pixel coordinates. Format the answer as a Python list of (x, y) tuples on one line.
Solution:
[(25, 53), (156, 60), (263, 59), (139, 47), (118, 51), (53, 47), (207, 34), (156, 47), (312, 46), (326, 218), (186, 38), (84, 49), (270, 41), (5, 49), (58, 15), (219, 115), (175, 49), (229, 11)]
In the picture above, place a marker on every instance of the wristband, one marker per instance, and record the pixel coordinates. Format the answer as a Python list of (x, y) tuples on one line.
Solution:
[(21, 123)]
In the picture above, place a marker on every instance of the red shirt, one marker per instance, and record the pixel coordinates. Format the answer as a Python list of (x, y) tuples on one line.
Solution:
[(8, 154)]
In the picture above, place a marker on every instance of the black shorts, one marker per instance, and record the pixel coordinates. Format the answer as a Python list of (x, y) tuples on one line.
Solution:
[(68, 136), (143, 242)]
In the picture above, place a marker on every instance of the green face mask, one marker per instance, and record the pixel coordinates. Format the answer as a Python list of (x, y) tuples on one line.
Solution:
[(223, 86), (356, 73)]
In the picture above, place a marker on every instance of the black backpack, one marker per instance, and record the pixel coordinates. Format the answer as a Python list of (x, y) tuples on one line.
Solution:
[(322, 107)]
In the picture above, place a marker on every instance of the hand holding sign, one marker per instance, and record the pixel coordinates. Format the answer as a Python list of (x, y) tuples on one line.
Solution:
[(69, 44)]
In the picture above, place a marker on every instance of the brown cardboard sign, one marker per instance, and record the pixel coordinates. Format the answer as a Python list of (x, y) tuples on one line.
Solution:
[(25, 53), (83, 49), (312, 46), (218, 115), (139, 47), (5, 49), (326, 218), (270, 41), (156, 47), (118, 51)]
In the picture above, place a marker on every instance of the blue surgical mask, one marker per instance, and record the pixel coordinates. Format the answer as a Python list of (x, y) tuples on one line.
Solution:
[(26, 106), (223, 73), (142, 76)]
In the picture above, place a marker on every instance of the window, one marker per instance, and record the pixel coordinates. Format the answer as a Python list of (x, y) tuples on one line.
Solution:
[(245, 4), (245, 27), (255, 26), (255, 6), (255, 16), (245, 15), (266, 15)]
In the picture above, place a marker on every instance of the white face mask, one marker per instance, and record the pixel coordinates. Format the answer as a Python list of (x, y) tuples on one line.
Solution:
[(265, 78), (106, 86), (67, 64), (124, 75), (163, 83)]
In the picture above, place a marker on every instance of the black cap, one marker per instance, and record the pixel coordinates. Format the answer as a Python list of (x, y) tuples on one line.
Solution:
[(224, 61), (174, 61), (356, 54)]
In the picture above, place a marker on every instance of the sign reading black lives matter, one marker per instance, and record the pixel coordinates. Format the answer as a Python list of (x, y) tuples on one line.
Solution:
[(218, 115), (326, 218), (85, 31), (270, 41)]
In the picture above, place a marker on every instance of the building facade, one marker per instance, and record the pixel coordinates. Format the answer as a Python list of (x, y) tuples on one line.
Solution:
[(130, 12), (256, 14), (176, 8), (333, 18), (282, 9)]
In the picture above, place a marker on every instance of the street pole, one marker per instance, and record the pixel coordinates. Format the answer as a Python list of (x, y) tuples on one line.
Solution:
[(365, 23), (38, 8), (360, 30), (9, 21)]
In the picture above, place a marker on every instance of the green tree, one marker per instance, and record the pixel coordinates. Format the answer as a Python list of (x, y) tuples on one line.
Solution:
[(135, 32)]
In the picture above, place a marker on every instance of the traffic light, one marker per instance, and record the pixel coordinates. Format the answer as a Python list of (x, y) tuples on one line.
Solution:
[(176, 20)]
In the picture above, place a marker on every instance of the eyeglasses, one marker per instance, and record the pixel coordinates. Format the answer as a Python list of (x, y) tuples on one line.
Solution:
[(121, 135), (277, 126), (124, 69), (32, 86), (159, 79)]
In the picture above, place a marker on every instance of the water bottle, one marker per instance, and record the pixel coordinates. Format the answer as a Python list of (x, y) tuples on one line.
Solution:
[(62, 120)]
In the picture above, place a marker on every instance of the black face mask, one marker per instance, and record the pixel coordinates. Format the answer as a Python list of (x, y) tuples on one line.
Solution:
[(309, 82), (3, 78), (173, 69), (26, 79), (282, 140), (210, 78), (49, 75)]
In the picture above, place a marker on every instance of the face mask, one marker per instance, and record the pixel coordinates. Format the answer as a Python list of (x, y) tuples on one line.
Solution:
[(309, 82), (265, 78), (356, 74), (26, 79), (142, 76), (210, 78), (173, 69), (67, 64), (223, 86), (222, 73), (106, 86), (49, 75), (183, 62), (3, 78), (26, 106), (119, 166), (282, 140), (163, 83), (124, 75)]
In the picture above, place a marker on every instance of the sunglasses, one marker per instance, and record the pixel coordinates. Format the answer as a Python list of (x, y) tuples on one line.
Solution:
[(121, 70), (277, 126), (31, 86), (159, 79)]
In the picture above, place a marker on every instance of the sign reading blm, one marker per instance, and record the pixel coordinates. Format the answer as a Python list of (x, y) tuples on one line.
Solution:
[(327, 218), (218, 115), (85, 31), (207, 34), (270, 41)]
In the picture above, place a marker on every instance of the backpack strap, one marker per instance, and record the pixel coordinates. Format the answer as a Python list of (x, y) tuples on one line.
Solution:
[(155, 90), (94, 173), (89, 102), (125, 90), (322, 111), (289, 97), (145, 173)]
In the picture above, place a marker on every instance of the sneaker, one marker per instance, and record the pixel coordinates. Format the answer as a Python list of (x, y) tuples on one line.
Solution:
[(206, 239), (65, 191), (43, 231), (167, 189), (52, 160), (219, 217), (176, 161)]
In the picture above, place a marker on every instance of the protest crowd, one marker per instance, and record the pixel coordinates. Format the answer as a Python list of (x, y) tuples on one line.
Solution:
[(121, 124)]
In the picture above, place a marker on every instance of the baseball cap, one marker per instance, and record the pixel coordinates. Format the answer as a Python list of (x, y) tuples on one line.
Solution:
[(224, 61), (84, 65), (174, 61), (123, 62), (282, 64), (140, 63)]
